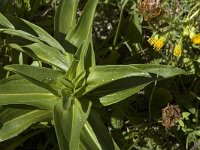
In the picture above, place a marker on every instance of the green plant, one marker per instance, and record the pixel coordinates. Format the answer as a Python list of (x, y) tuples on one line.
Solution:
[(67, 87)]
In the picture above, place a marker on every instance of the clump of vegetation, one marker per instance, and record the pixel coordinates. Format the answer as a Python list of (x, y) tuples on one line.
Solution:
[(99, 75)]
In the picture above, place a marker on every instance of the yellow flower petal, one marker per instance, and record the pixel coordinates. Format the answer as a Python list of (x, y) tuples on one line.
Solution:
[(196, 39), (153, 39), (157, 43), (177, 50)]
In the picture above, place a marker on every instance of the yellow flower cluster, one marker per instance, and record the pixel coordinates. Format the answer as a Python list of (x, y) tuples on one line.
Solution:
[(157, 42), (196, 39)]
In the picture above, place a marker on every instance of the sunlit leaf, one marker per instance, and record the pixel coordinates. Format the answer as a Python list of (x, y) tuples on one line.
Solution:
[(65, 19), (69, 123), (44, 77), (5, 22), (83, 29), (101, 75), (121, 95), (24, 29), (47, 54), (17, 120), (16, 90), (163, 71), (95, 135), (115, 83)]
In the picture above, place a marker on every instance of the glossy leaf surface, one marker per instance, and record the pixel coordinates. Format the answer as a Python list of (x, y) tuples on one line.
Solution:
[(47, 54), (44, 77), (17, 120), (116, 83), (5, 22), (16, 90), (69, 123), (101, 75), (27, 30), (83, 29), (95, 135), (65, 19)]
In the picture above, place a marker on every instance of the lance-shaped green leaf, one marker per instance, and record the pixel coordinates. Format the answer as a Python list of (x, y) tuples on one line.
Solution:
[(16, 90), (44, 36), (101, 75), (121, 85), (95, 135), (44, 77), (47, 54), (69, 123), (20, 33), (162, 71), (77, 74), (5, 22), (83, 29), (91, 55), (86, 58), (74, 70), (121, 95), (126, 86), (25, 29), (65, 19), (16, 120), (38, 49), (82, 61), (42, 52)]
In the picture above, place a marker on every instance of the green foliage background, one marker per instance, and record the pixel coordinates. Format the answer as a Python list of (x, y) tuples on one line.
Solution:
[(79, 74)]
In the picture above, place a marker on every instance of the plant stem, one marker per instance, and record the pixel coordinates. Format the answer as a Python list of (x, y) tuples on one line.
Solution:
[(193, 8), (151, 97), (120, 22)]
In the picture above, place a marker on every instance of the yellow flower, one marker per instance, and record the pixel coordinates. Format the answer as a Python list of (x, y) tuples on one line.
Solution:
[(177, 50), (156, 42), (196, 39), (153, 39)]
